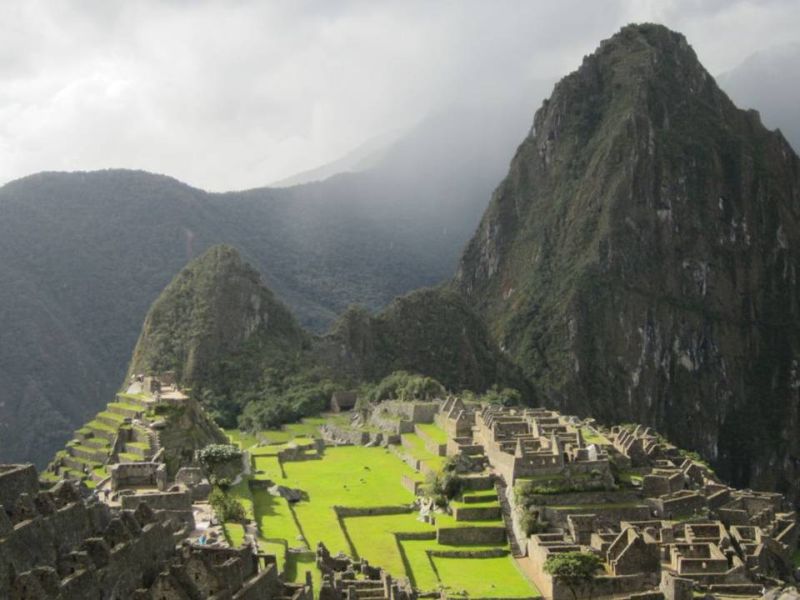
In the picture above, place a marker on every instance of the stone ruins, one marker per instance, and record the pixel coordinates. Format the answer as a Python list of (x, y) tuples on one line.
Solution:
[(64, 544), (660, 521), (133, 521)]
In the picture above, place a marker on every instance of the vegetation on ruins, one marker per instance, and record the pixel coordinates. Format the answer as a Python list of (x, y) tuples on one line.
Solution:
[(503, 397), (402, 385), (526, 492), (575, 569), (444, 485), (222, 462), (216, 454), (226, 507)]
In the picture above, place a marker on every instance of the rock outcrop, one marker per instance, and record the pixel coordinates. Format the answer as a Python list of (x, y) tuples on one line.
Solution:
[(640, 259)]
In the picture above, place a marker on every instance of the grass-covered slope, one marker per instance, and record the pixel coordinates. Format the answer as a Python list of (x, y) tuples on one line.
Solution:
[(639, 258)]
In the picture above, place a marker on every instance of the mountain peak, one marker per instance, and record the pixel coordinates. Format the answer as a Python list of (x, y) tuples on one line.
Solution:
[(215, 308), (623, 261)]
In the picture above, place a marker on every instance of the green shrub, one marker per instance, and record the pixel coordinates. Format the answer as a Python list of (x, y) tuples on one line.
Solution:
[(443, 485), (275, 407), (216, 454), (531, 523), (573, 568), (226, 508), (504, 397), (402, 385)]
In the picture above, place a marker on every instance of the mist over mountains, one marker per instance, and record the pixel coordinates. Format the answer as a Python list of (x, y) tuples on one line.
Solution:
[(768, 81), (83, 255)]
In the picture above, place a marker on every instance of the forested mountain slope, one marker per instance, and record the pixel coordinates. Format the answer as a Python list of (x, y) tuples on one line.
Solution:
[(639, 260)]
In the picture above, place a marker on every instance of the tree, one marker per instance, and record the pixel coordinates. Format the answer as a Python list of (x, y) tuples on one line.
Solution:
[(227, 508), (573, 568)]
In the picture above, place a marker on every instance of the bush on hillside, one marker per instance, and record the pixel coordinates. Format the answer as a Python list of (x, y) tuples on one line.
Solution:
[(276, 407), (504, 397), (402, 385)]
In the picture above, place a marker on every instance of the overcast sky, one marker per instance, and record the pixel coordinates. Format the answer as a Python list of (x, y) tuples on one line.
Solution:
[(236, 94)]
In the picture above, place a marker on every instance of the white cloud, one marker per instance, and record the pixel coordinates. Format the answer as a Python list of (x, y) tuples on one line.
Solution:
[(229, 95)]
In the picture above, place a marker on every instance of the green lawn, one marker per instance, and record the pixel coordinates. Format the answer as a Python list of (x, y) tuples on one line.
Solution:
[(234, 533), (274, 518), (422, 573), (346, 476), (433, 431), (591, 436), (473, 575), (269, 466), (415, 446), (374, 539), (355, 476), (484, 577)]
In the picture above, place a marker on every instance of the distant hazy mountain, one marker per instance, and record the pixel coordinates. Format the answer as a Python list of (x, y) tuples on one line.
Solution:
[(361, 158), (83, 255), (769, 81)]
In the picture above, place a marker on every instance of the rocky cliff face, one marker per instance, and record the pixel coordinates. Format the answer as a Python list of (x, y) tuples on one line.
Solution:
[(639, 260), (215, 323), (431, 331)]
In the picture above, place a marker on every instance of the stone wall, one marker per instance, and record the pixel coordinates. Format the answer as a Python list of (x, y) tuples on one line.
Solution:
[(15, 480), (411, 484), (467, 536), (139, 474), (164, 501), (477, 513)]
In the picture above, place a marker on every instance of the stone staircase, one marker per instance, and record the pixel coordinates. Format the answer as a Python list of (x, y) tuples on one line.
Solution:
[(501, 488)]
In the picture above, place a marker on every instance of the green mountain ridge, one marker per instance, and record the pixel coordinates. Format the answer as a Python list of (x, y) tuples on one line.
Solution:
[(228, 338), (429, 331), (84, 255), (638, 261)]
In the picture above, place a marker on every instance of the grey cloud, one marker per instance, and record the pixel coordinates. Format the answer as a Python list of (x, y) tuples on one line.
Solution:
[(229, 95)]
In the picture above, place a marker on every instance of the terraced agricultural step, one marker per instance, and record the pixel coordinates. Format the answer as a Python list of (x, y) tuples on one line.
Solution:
[(125, 409), (76, 464), (103, 430), (91, 454), (99, 474), (68, 473), (129, 457), (110, 418), (100, 443), (140, 449), (478, 512), (84, 433), (479, 497), (137, 400)]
